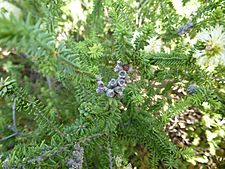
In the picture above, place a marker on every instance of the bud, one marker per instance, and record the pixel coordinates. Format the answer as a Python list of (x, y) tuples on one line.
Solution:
[(110, 93), (118, 68), (118, 90), (121, 82), (112, 83), (122, 74), (100, 90), (128, 68), (100, 84)]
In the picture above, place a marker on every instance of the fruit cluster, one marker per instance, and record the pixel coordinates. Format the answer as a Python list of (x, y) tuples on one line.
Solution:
[(185, 28), (76, 159), (115, 87)]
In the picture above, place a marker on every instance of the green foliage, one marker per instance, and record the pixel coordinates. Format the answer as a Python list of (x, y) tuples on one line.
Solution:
[(6, 86)]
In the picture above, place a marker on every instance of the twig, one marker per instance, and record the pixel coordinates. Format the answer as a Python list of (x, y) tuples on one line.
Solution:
[(162, 165), (49, 82), (13, 128), (45, 156), (110, 155), (14, 115), (8, 137)]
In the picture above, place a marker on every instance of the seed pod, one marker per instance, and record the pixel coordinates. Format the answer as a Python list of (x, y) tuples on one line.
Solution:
[(122, 74), (126, 67), (118, 90), (192, 89), (118, 68), (121, 82), (112, 83), (100, 90), (110, 93), (181, 30), (100, 84)]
